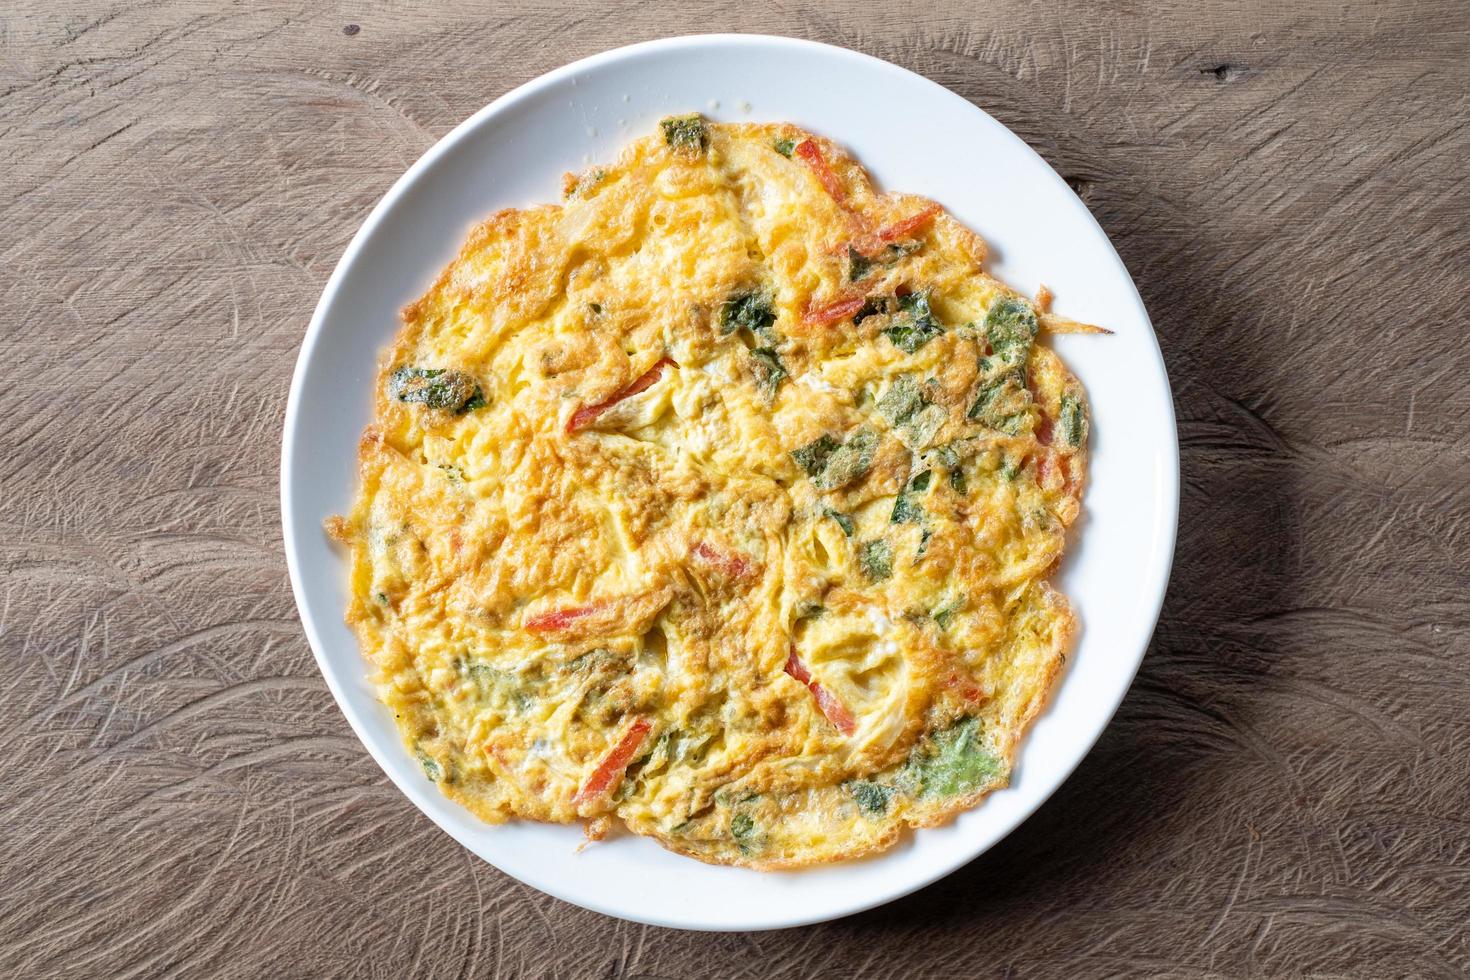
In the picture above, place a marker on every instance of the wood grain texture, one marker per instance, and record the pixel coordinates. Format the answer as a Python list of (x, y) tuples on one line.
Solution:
[(1283, 793)]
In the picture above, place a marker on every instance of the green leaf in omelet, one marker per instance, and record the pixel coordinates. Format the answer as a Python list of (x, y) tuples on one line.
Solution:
[(876, 559), (849, 461), (743, 830), (950, 457), (752, 309), (1010, 326), (685, 134), (1072, 423), (813, 457), (436, 388), (769, 372), (908, 409), (871, 798), (906, 507), (956, 763), (917, 327), (843, 521), (944, 614), (431, 767)]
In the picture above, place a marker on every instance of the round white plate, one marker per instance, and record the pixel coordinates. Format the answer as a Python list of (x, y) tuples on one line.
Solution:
[(913, 135)]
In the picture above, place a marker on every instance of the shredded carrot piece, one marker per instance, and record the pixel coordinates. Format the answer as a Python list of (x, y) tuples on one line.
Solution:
[(831, 313), (731, 566), (907, 226), (811, 155), (560, 619), (609, 771), (827, 703), (587, 414)]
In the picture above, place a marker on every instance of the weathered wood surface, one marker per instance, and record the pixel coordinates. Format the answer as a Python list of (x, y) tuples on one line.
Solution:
[(1286, 790)]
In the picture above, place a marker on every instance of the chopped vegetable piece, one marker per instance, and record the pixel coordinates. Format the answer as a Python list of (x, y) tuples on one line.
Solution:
[(1073, 420), (920, 327), (1010, 326), (1044, 427), (769, 371), (901, 400), (1002, 403), (685, 134), (905, 227), (907, 510), (813, 457), (950, 457), (956, 762), (863, 254), (731, 566), (751, 310), (742, 828), (833, 312), (832, 708), (431, 767), (849, 461), (559, 619), (871, 798), (843, 521), (1043, 467), (876, 559), (609, 771), (784, 147), (911, 413), (587, 414), (944, 615), (920, 430), (811, 155), (1009, 467), (923, 545), (876, 306), (436, 388), (489, 682)]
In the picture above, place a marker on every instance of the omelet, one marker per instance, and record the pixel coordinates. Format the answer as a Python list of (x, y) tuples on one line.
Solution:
[(719, 502)]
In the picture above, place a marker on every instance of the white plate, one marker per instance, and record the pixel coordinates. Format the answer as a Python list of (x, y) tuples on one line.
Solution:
[(913, 136)]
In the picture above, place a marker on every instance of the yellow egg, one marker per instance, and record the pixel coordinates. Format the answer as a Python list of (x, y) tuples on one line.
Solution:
[(719, 501)]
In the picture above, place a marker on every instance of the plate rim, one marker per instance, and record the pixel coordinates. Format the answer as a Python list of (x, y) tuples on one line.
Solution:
[(1168, 497)]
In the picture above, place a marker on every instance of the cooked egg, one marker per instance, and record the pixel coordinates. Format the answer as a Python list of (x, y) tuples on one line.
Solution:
[(719, 500)]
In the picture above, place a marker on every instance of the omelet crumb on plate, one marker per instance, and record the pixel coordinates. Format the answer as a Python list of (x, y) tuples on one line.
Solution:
[(719, 501)]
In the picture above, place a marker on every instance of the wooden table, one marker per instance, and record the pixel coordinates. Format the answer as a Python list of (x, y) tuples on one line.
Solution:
[(1286, 790)]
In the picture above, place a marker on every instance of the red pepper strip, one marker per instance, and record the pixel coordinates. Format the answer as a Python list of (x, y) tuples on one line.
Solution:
[(868, 246), (811, 155), (1043, 462), (907, 226), (560, 619), (840, 310), (1043, 430), (609, 771), (587, 414), (731, 566), (838, 715)]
